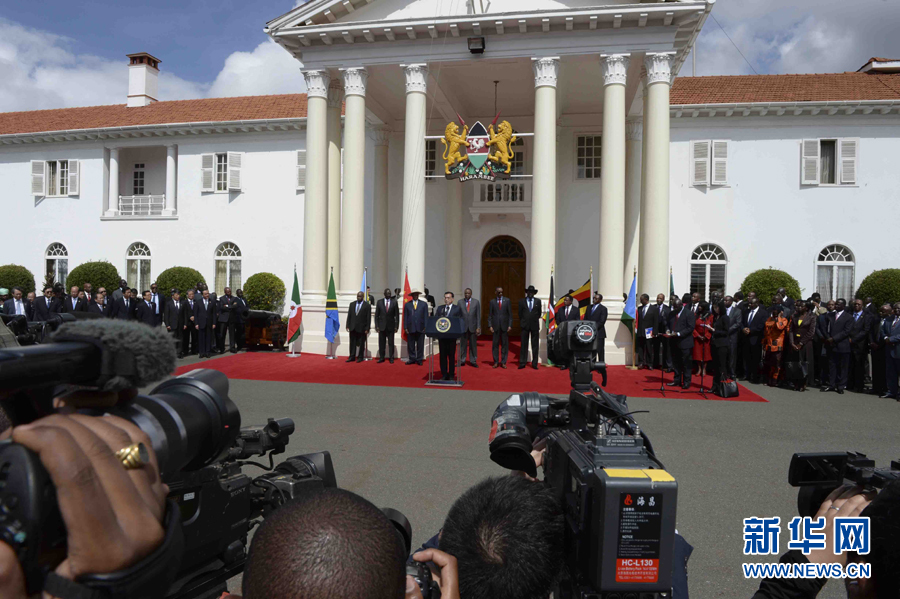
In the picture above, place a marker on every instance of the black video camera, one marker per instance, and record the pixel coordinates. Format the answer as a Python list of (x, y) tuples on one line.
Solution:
[(618, 500), (574, 342), (818, 474), (419, 571), (20, 332)]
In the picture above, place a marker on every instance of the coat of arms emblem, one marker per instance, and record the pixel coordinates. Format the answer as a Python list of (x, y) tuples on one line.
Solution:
[(478, 153)]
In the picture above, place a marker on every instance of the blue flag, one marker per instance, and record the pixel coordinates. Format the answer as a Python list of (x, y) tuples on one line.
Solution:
[(332, 319), (363, 287), (628, 315)]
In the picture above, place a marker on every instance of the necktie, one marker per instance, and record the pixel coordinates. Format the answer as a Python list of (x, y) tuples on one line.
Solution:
[(358, 304), (414, 304), (74, 302), (18, 307), (895, 322), (467, 305), (594, 310), (205, 304), (856, 316), (529, 304), (191, 302), (126, 304)]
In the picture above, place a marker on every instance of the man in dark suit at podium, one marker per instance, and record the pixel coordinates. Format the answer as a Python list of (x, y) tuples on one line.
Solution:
[(359, 314), (387, 321), (530, 323), (448, 346), (415, 312), (500, 321)]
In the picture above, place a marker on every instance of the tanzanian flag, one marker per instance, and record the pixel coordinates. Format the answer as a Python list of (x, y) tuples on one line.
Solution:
[(332, 319)]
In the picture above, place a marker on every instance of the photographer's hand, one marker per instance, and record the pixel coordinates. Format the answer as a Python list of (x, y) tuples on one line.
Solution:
[(847, 501), (449, 577)]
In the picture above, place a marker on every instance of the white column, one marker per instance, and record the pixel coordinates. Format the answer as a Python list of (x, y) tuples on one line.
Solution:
[(381, 228), (653, 273), (612, 179), (335, 100), (113, 207), (413, 243), (633, 142), (543, 195), (353, 214), (453, 238), (171, 180), (315, 219)]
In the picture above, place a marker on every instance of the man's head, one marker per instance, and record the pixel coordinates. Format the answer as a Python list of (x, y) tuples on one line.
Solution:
[(677, 305), (530, 291), (360, 296), (97, 296), (751, 295), (831, 305), (728, 301), (176, 296), (228, 292), (17, 294), (869, 300), (754, 302), (597, 297), (567, 300), (88, 288), (448, 297), (645, 299), (397, 291), (695, 298), (147, 295), (127, 293), (782, 291), (123, 284), (48, 291), (778, 299), (499, 292), (426, 289), (506, 534), (738, 296), (73, 292), (240, 293), (857, 305), (840, 305), (30, 297), (190, 294), (387, 294), (816, 297), (153, 288), (660, 298), (897, 309), (328, 544), (885, 310), (687, 298), (467, 293), (206, 294)]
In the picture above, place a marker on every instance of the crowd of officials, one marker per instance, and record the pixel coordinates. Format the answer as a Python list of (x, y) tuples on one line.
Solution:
[(198, 321), (789, 343)]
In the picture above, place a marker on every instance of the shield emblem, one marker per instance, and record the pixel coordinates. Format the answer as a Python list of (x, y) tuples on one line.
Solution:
[(478, 145)]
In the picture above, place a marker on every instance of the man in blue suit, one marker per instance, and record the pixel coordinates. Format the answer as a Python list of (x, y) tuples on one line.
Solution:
[(205, 320), (414, 314), (891, 332)]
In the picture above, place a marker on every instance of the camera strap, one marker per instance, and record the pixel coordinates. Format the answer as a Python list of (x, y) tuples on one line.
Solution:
[(143, 580)]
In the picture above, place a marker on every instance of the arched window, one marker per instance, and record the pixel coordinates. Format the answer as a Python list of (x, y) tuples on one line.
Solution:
[(228, 267), (708, 269), (834, 273), (57, 260), (138, 266)]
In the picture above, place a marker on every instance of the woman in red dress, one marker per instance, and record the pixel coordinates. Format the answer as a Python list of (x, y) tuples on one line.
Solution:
[(702, 353)]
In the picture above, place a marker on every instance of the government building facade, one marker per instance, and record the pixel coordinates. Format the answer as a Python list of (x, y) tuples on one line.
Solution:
[(619, 169)]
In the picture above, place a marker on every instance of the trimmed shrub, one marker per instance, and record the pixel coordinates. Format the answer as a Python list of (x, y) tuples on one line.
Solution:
[(265, 291), (178, 277), (98, 274), (13, 275), (765, 282), (882, 285)]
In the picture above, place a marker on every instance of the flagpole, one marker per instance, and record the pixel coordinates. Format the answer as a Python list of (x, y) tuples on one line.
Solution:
[(633, 327), (293, 353), (366, 357)]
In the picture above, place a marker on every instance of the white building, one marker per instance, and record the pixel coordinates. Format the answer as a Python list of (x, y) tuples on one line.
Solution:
[(235, 186)]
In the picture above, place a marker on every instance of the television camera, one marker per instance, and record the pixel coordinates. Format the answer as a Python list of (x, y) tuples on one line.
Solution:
[(818, 474)]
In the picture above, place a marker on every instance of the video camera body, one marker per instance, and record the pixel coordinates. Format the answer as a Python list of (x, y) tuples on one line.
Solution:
[(575, 342), (618, 500), (18, 331), (818, 474)]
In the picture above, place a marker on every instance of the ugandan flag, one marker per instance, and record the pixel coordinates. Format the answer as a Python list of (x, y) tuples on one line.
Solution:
[(582, 295)]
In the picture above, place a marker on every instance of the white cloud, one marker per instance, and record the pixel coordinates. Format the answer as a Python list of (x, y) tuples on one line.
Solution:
[(39, 71)]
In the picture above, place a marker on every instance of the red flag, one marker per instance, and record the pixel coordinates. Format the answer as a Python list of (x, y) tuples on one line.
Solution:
[(407, 297)]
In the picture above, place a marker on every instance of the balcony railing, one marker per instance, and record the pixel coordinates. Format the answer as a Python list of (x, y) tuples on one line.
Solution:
[(512, 196), (142, 205)]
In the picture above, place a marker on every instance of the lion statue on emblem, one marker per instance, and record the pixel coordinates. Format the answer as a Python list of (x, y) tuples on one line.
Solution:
[(502, 142), (452, 141)]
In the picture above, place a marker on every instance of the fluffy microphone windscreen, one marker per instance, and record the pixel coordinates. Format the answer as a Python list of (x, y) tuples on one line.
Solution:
[(133, 354)]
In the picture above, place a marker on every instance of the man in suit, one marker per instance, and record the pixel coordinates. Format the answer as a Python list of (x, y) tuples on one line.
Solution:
[(754, 325), (189, 332), (530, 323), (879, 352), (17, 305), (73, 303), (45, 306), (860, 330), (681, 338), (96, 306), (598, 313), (821, 349), (415, 313), (735, 323), (468, 343), (692, 301), (647, 317), (786, 302), (870, 307), (120, 292), (661, 357), (839, 342), (240, 326), (88, 292), (500, 322), (891, 336), (159, 304), (447, 347), (359, 314), (387, 322), (145, 311), (205, 321), (174, 320), (430, 299), (124, 308), (225, 322)]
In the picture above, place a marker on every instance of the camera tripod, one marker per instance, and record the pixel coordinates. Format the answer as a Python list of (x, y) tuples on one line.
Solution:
[(662, 373)]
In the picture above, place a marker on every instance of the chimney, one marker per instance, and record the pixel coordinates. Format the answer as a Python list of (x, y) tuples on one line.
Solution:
[(143, 79)]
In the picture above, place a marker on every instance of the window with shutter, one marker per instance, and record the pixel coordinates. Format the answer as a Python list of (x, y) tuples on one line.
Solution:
[(207, 172), (38, 177), (700, 162), (719, 169), (74, 177), (301, 170), (234, 170), (849, 149), (809, 158)]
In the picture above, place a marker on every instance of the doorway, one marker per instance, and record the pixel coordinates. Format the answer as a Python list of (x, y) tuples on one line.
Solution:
[(502, 265)]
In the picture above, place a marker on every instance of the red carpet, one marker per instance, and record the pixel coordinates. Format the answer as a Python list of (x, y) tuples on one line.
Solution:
[(311, 368)]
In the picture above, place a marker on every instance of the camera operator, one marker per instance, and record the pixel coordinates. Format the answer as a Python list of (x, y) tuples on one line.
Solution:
[(849, 502), (113, 512)]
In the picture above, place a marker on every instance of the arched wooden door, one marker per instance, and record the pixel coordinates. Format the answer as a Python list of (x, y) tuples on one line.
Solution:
[(502, 265)]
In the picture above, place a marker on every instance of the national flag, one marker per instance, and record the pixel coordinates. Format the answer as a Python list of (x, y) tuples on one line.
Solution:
[(296, 317), (630, 312), (407, 297), (551, 311), (582, 295), (332, 319), (671, 283), (364, 288)]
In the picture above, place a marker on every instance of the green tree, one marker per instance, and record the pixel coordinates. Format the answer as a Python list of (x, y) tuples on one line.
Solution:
[(178, 277), (13, 275), (265, 291), (98, 274), (882, 285), (765, 282)]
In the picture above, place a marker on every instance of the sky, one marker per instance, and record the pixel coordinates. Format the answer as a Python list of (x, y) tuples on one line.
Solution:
[(56, 54)]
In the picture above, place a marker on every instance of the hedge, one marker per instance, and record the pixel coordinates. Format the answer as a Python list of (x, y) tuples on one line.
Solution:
[(882, 285), (98, 274), (13, 275), (765, 282), (265, 291), (181, 278)]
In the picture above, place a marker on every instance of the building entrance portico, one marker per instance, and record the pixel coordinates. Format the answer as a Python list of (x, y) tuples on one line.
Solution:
[(502, 265)]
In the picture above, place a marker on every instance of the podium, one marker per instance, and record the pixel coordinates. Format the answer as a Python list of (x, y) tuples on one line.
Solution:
[(441, 327)]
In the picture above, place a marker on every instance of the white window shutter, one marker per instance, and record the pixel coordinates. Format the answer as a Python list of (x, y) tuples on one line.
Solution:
[(301, 170), (38, 178), (809, 159), (700, 162), (74, 177), (719, 169), (235, 159), (207, 172), (849, 158)]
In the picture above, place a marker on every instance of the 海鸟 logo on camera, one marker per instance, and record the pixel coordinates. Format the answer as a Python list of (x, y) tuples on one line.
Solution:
[(442, 325)]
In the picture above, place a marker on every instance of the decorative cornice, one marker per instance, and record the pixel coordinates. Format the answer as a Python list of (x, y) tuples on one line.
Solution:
[(659, 67), (546, 71), (381, 136), (615, 68), (828, 108), (335, 93), (634, 128), (416, 77), (317, 82), (355, 79)]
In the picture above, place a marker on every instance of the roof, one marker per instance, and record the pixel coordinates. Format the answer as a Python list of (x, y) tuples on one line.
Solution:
[(736, 89), (247, 108)]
